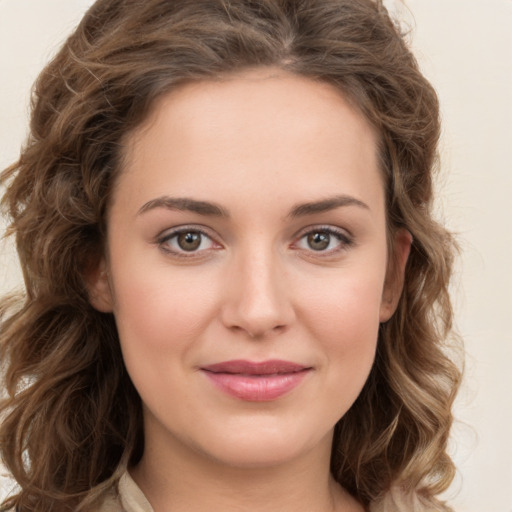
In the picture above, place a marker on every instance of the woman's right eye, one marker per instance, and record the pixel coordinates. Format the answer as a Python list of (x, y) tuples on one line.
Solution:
[(186, 242)]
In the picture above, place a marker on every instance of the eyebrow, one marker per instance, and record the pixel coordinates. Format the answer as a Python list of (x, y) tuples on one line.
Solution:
[(212, 209), (184, 204), (325, 205)]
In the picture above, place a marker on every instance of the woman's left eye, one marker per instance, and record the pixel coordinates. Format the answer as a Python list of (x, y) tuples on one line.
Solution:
[(324, 240), (185, 242)]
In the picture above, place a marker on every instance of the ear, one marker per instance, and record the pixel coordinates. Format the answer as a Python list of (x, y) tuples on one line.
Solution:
[(394, 282), (99, 289)]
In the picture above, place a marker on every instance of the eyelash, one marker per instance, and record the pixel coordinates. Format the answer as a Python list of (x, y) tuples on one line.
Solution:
[(344, 241), (163, 241)]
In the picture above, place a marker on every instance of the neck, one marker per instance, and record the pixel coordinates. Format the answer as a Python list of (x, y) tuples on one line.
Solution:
[(180, 480)]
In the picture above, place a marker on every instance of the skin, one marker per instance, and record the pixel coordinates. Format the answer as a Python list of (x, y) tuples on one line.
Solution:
[(259, 145)]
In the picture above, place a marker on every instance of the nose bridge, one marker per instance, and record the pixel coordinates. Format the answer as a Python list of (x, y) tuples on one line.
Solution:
[(259, 299)]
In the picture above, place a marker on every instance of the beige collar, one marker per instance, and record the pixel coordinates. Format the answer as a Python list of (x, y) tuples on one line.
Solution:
[(129, 499), (132, 498)]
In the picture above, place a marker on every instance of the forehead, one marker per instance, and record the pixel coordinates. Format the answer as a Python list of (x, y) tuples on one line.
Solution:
[(260, 128), (236, 99)]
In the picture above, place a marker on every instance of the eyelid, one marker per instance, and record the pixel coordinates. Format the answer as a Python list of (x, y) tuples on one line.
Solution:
[(344, 236), (170, 233)]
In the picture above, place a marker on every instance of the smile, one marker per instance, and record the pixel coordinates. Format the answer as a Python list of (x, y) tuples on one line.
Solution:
[(256, 381)]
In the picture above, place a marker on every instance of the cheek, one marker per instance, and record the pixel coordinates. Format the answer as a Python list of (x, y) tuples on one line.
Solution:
[(160, 318), (160, 311), (344, 318), (346, 305)]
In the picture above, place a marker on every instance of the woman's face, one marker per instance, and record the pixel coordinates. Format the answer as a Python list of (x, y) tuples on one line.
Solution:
[(246, 267)]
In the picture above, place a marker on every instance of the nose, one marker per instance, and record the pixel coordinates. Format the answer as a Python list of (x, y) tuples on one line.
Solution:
[(258, 296)]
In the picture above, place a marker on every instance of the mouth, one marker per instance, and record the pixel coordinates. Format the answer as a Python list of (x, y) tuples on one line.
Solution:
[(256, 381)]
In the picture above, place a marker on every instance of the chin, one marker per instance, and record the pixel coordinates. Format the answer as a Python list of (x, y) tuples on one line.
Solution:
[(264, 448)]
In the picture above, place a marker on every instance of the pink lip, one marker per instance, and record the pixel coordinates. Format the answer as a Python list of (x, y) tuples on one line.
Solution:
[(256, 381)]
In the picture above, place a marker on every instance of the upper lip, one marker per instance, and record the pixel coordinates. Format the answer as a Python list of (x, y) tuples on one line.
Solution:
[(270, 367)]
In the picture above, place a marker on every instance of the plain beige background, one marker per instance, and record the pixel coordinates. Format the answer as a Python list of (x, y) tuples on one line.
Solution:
[(465, 48)]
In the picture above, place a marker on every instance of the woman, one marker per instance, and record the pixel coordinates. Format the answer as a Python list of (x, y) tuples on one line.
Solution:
[(236, 294)]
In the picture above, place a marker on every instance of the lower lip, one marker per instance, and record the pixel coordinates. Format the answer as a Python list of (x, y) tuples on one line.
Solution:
[(257, 388)]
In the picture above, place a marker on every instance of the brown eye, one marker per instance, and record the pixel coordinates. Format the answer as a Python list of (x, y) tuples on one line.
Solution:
[(186, 242), (324, 241), (189, 240), (318, 240)]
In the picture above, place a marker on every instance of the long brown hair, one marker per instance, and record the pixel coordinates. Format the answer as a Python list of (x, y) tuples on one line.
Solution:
[(72, 420)]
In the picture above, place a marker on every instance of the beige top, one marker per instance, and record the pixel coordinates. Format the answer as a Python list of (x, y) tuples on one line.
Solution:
[(131, 499)]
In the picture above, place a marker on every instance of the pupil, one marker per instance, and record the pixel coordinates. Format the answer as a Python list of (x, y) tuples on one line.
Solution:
[(189, 241), (319, 241)]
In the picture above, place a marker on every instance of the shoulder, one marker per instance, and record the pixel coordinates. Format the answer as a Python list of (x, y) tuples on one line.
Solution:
[(112, 503), (398, 501), (129, 498)]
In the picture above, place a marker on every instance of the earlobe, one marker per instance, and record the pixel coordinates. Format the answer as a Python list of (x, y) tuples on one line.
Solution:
[(98, 287), (394, 283)]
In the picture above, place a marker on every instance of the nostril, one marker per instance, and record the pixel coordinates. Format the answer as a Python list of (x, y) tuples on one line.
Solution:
[(257, 305), (265, 332)]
